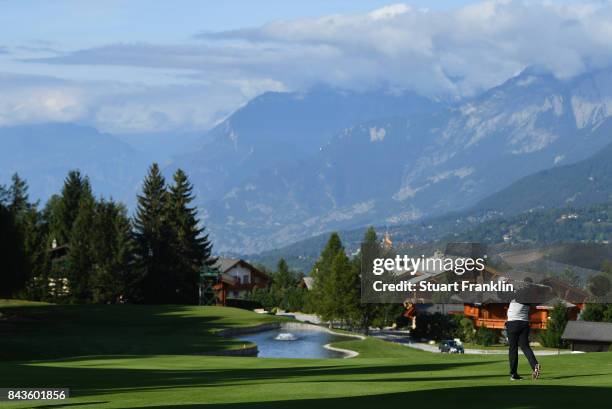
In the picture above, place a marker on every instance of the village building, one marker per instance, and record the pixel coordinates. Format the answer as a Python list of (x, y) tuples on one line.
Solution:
[(487, 309), (237, 279), (494, 315), (588, 336)]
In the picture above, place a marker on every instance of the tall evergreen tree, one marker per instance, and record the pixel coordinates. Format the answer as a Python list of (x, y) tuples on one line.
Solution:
[(367, 313), (192, 248), (113, 277), (14, 207), (370, 237), (4, 195), (321, 298), (283, 278), (552, 336), (36, 247), (154, 239), (18, 193), (333, 247), (19, 206), (343, 291), (11, 254), (81, 255), (76, 188), (51, 214)]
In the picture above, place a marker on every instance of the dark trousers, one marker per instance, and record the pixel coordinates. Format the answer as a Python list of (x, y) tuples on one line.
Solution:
[(518, 335)]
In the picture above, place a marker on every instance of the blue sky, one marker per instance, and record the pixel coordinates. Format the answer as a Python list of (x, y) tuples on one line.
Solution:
[(148, 66), (29, 21)]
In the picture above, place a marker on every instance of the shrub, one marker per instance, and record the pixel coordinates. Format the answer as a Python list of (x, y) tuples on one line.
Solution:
[(242, 304), (468, 332), (593, 312), (485, 336), (436, 326), (551, 336)]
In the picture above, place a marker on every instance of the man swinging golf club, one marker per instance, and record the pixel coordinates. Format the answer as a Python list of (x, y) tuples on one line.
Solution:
[(517, 328)]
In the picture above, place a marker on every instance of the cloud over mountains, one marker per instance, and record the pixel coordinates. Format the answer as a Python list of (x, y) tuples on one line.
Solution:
[(443, 53)]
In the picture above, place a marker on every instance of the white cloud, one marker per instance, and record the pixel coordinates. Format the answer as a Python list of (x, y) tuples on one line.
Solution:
[(39, 101), (455, 52), (437, 53), (119, 107)]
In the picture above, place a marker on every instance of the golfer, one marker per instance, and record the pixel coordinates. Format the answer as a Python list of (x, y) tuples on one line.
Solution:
[(517, 328)]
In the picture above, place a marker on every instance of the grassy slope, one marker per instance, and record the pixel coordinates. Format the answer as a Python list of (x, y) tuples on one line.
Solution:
[(384, 374), (77, 330)]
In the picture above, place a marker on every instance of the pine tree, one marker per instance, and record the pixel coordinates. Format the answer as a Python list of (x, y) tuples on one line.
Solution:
[(36, 246), (81, 254), (343, 288), (113, 277), (154, 240), (19, 206), (51, 215), (18, 194), (75, 189), (283, 278), (4, 196), (333, 247), (551, 337), (366, 314), (11, 254), (192, 249), (15, 206), (321, 298), (370, 237)]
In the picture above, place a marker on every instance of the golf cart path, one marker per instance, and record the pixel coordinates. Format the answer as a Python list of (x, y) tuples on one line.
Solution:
[(434, 348)]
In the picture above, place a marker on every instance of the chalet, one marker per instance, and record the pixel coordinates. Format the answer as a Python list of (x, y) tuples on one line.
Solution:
[(494, 315), (492, 312), (588, 336), (489, 309), (237, 279)]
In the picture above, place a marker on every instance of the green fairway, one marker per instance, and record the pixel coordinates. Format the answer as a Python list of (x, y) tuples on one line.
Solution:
[(163, 376), (51, 331)]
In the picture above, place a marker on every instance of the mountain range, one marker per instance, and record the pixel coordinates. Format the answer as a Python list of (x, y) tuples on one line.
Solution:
[(292, 165), (579, 184), (399, 168), (534, 208), (44, 153)]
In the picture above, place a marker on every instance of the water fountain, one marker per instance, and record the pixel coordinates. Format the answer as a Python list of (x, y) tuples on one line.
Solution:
[(285, 336), (293, 340)]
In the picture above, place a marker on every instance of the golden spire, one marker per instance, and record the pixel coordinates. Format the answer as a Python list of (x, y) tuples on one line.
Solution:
[(387, 243)]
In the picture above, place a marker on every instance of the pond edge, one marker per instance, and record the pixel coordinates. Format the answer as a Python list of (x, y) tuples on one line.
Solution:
[(252, 350)]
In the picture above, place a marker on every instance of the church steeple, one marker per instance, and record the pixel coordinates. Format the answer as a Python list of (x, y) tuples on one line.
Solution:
[(387, 242)]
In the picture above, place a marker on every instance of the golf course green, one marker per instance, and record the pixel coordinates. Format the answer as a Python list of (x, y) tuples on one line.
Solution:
[(127, 356)]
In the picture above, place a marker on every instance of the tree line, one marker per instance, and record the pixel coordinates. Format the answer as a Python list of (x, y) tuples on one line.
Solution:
[(284, 292), (82, 249), (335, 294)]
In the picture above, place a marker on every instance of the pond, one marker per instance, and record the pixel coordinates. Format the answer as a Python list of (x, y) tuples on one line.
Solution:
[(295, 342)]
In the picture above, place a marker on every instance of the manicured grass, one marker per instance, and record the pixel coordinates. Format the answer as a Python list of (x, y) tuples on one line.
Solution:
[(383, 375), (20, 303), (37, 331)]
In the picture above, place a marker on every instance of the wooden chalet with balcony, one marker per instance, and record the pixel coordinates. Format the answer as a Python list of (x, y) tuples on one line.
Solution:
[(237, 279)]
